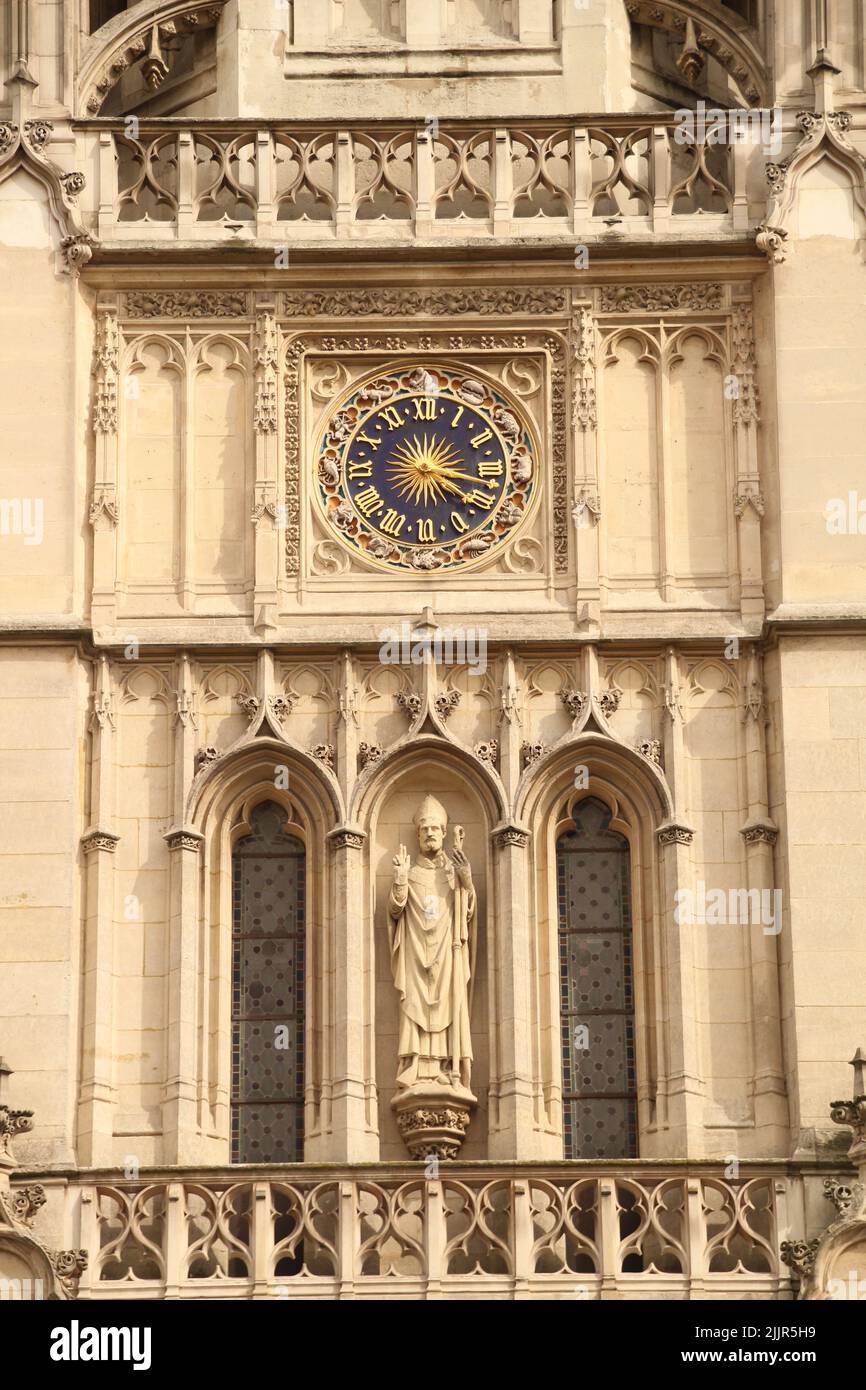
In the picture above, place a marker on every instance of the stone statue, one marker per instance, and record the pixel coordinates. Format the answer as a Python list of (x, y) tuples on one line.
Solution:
[(433, 935)]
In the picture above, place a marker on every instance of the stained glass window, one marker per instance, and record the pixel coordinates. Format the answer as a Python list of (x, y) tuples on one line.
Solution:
[(595, 980), (268, 992)]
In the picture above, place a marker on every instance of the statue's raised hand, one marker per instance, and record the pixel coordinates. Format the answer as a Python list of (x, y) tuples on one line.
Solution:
[(464, 868), (402, 864)]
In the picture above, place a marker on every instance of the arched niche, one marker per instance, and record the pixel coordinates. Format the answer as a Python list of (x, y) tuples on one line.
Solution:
[(634, 795), (269, 988), (221, 809), (599, 1101), (386, 810)]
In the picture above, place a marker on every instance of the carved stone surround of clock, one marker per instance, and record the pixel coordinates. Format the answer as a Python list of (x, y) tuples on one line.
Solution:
[(431, 464)]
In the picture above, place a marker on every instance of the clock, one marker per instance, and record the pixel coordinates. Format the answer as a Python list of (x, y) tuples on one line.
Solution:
[(425, 468)]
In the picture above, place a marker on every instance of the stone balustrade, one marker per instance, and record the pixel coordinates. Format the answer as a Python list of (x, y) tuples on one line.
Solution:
[(175, 181), (570, 1230)]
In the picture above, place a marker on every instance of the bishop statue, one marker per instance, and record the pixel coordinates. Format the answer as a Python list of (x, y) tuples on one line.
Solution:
[(433, 936)]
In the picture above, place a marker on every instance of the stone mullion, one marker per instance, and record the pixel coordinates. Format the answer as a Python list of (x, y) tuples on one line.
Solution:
[(664, 465), (350, 1138), (103, 503), (185, 579), (510, 726), (748, 499), (675, 759), (97, 1095), (585, 443), (679, 1065), (760, 835), (347, 728), (265, 513), (682, 1085), (180, 1087), (516, 1133)]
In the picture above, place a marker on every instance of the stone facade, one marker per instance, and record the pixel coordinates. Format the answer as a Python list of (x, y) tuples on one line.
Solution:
[(234, 235)]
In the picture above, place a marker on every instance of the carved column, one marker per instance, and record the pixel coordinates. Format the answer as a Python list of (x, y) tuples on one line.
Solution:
[(680, 1104), (748, 499), (347, 729), (97, 1096), (179, 1117), (760, 835), (351, 1136), (680, 1101), (513, 1132), (587, 507), (510, 726), (676, 769), (266, 514), (103, 503)]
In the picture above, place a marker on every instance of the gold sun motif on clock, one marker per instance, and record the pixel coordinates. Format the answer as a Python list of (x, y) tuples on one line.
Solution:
[(426, 470)]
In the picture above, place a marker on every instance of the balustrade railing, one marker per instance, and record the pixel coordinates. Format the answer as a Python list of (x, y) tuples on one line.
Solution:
[(182, 182), (559, 1231)]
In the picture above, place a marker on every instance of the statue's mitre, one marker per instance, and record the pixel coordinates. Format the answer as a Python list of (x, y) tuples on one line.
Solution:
[(431, 809)]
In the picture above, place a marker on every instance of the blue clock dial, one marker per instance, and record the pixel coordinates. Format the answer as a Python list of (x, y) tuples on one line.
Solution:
[(425, 468)]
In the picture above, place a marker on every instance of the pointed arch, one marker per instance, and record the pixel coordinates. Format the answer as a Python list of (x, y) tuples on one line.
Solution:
[(372, 785), (220, 812), (387, 796), (636, 795), (126, 39)]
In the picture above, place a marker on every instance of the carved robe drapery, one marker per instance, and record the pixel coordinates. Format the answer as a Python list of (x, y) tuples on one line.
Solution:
[(432, 921)]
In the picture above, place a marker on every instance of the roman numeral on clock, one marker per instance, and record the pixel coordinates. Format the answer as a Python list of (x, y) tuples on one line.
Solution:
[(392, 522), (369, 501), (392, 417), (478, 499), (478, 439), (360, 470), (425, 408)]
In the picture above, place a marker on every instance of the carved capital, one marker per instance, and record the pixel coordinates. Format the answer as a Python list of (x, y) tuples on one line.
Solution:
[(99, 840), (760, 833), (488, 751), (184, 837), (673, 833), (510, 837), (347, 837), (433, 1132)]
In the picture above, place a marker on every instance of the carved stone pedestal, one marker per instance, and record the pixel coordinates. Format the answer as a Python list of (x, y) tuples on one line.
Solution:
[(433, 1119)]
